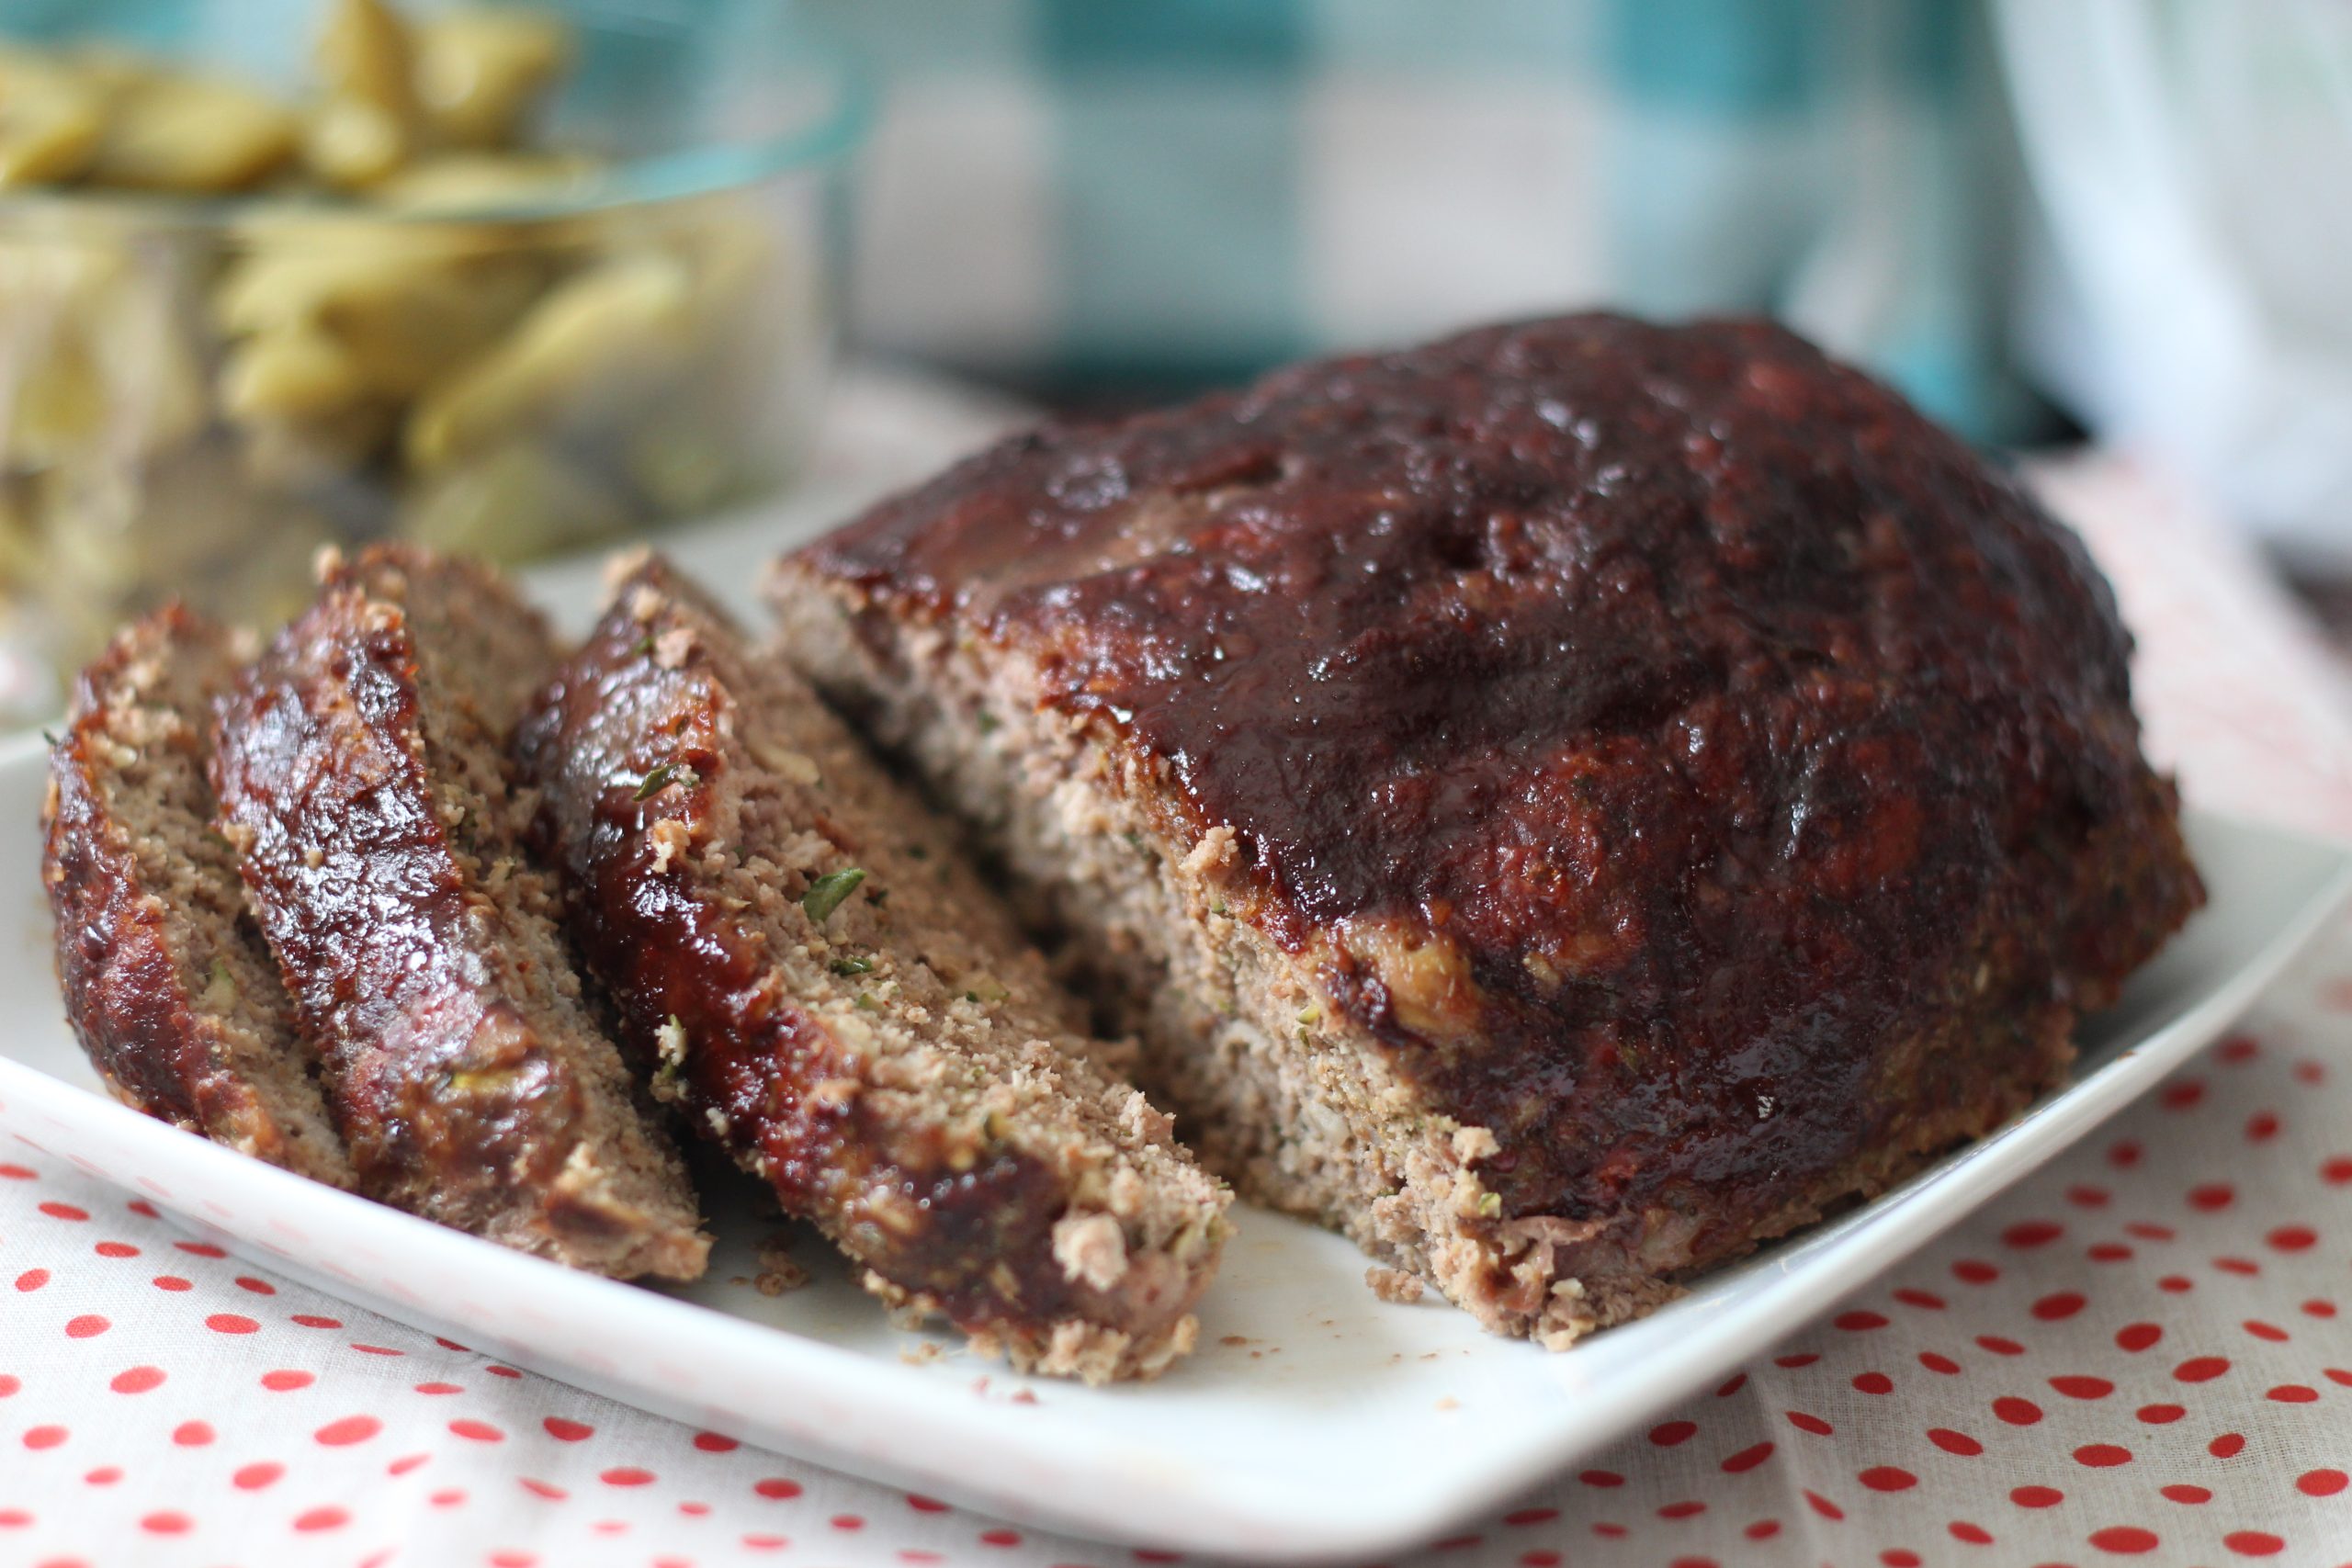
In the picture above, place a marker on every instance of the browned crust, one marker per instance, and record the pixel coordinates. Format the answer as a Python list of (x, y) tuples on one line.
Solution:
[(467, 1075), (135, 992), (1016, 1223), (1661, 783)]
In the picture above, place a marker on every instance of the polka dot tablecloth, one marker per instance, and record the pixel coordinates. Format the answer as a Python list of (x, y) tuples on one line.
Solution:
[(2141, 1355)]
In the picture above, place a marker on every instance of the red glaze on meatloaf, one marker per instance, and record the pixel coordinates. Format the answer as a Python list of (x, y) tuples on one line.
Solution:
[(1705, 783)]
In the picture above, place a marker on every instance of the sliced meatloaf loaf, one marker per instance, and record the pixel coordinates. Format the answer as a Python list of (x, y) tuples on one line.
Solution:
[(1562, 803), (167, 982), (362, 770), (833, 997)]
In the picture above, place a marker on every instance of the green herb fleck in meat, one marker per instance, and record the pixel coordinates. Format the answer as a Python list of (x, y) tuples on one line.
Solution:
[(825, 894)]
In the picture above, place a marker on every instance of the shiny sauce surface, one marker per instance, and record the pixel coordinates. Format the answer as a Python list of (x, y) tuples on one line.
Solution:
[(1642, 730)]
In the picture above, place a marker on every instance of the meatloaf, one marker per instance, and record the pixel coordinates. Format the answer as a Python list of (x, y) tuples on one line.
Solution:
[(167, 982), (832, 996), (362, 770), (1561, 804)]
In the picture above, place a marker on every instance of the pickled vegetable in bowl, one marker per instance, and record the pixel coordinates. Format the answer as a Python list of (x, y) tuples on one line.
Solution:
[(515, 281)]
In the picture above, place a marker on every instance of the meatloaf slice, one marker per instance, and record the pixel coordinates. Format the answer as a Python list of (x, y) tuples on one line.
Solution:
[(167, 982), (835, 999), (362, 770), (1561, 804)]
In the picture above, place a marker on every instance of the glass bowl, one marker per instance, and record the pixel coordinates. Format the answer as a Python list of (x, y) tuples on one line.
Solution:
[(197, 392)]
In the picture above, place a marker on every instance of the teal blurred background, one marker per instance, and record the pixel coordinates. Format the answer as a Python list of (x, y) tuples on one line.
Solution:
[(1114, 199)]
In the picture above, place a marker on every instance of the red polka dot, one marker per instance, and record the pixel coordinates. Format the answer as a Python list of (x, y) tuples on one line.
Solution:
[(2084, 1196), (285, 1382), (2033, 1233), (32, 1279), (2229, 1445), (448, 1498), (2292, 1238), (104, 1475), (1684, 1511), (2182, 1492), (2138, 1336), (2201, 1368), (2213, 1195), (1953, 1442), (44, 1437), (2102, 1456), (2244, 1266), (2036, 1496), (2337, 1172), (2124, 1155), (2321, 1483), (2108, 1252), (64, 1212), (1873, 1382), (2319, 1307), (172, 1282), (847, 1522), (1974, 1271), (1748, 1457), (1762, 1530), (1858, 1322), (2261, 1127), (568, 1431), (1824, 1506), (547, 1489), (438, 1389), (348, 1431), (1998, 1344), (2182, 1095), (1668, 1432), (777, 1487), (193, 1434), (1974, 1535), (715, 1443), (86, 1327), (15, 1173), (1800, 1358), (2338, 1375), (137, 1380), (321, 1519), (312, 1320), (2254, 1543), (1938, 1363), (254, 1477), (1926, 1301), (2292, 1394), (1000, 1538), (167, 1522), (115, 1249), (405, 1464), (199, 1249), (387, 1351), (2261, 1330), (478, 1431), (627, 1475), (2060, 1304), (230, 1322), (1602, 1478), (9, 1383), (1814, 1424), (2161, 1415), (511, 1558), (1517, 1517), (2017, 1412), (2126, 1539), (2175, 1283), (1888, 1478), (14, 1518)]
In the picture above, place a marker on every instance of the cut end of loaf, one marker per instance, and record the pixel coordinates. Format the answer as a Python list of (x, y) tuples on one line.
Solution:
[(1060, 1225)]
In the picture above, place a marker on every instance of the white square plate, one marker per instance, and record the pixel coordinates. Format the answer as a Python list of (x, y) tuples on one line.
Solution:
[(1315, 1421)]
